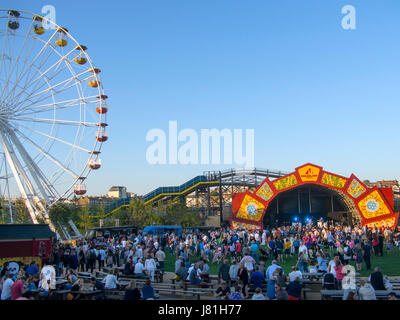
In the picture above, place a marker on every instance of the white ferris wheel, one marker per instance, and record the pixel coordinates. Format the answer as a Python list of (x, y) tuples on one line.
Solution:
[(52, 113)]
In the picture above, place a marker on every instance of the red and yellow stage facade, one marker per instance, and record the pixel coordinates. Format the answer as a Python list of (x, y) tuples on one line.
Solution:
[(373, 207)]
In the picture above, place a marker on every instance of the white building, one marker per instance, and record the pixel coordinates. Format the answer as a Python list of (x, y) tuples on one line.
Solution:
[(117, 192)]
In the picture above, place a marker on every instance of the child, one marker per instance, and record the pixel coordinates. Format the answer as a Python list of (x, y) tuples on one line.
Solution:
[(236, 294)]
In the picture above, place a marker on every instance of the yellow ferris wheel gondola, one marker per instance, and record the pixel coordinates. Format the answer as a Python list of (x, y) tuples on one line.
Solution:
[(37, 25), (62, 37), (80, 58), (94, 80)]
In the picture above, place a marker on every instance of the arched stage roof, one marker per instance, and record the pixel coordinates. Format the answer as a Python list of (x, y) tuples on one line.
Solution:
[(372, 207)]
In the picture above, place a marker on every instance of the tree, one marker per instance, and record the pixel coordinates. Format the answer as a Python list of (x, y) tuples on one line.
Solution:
[(22, 214), (178, 213)]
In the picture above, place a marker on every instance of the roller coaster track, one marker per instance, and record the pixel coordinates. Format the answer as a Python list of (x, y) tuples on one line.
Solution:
[(212, 178)]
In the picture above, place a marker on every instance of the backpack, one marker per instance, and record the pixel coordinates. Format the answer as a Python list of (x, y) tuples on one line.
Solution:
[(329, 281)]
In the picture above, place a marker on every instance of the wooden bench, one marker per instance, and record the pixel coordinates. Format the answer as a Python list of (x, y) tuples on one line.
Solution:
[(119, 294), (158, 276)]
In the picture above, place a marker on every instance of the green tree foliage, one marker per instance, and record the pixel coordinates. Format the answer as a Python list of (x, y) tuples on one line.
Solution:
[(3, 212), (177, 213), (22, 214)]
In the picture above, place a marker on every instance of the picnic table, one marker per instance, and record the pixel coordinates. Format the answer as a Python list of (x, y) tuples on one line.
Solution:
[(60, 283), (85, 274)]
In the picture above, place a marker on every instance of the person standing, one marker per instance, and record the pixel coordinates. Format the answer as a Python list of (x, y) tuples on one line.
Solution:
[(381, 239), (367, 254), (7, 285), (160, 255), (223, 272), (102, 257), (150, 266)]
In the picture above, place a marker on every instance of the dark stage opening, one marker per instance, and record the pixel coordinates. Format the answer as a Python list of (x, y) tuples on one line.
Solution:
[(307, 202)]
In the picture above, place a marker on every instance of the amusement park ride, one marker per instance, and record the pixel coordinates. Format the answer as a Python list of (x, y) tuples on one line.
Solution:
[(52, 114)]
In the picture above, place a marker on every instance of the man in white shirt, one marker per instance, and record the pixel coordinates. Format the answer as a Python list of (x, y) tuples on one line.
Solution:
[(102, 254), (331, 266), (111, 281), (303, 248), (294, 274), (139, 267), (6, 291)]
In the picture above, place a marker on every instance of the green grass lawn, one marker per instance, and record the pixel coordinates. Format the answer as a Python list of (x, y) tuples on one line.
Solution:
[(389, 264)]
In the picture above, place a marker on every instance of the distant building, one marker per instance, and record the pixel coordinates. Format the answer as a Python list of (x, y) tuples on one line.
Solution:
[(131, 195), (117, 192), (394, 184), (95, 201)]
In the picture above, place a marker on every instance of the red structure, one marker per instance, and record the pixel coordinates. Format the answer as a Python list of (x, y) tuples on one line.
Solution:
[(25, 243), (372, 207)]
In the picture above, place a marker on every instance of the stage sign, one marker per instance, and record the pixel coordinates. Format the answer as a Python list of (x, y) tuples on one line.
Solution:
[(309, 173)]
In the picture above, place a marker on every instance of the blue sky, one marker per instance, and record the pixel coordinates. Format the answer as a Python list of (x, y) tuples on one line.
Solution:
[(312, 91)]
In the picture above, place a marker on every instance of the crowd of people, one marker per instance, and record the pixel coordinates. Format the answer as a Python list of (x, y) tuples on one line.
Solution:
[(240, 255)]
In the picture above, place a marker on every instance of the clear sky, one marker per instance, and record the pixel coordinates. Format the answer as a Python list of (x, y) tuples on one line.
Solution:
[(312, 91)]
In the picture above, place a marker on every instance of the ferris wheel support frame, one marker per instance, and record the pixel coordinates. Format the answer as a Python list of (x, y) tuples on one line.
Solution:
[(9, 156), (35, 206)]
